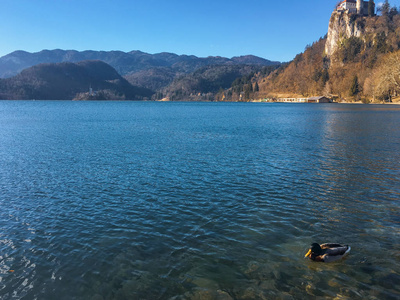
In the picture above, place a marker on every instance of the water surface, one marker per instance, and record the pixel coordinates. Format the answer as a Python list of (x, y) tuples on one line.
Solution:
[(143, 200)]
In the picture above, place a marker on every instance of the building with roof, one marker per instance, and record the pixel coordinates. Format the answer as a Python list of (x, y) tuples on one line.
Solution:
[(319, 99), (354, 6)]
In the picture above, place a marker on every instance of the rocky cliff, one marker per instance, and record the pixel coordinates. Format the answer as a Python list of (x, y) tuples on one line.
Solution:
[(342, 25), (357, 61)]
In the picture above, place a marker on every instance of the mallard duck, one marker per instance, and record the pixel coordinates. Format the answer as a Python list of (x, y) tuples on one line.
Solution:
[(327, 252)]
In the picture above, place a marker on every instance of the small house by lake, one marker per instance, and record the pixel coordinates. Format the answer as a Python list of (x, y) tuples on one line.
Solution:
[(319, 99)]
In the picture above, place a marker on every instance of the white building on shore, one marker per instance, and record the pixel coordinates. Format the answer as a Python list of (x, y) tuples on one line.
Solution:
[(318, 99)]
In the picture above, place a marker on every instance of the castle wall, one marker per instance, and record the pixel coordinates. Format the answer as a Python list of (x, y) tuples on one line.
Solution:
[(354, 7), (350, 6), (365, 9)]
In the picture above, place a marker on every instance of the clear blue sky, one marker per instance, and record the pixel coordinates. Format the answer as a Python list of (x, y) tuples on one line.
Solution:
[(276, 30)]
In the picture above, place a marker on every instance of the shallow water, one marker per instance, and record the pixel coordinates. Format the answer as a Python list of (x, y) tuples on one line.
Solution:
[(143, 200)]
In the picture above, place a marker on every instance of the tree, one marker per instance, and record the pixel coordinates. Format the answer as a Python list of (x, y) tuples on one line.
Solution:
[(327, 90), (371, 8), (354, 89), (248, 90), (385, 8), (393, 12), (387, 76), (381, 42), (256, 87), (350, 49)]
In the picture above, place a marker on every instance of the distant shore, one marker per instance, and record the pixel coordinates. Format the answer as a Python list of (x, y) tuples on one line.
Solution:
[(373, 103), (396, 102)]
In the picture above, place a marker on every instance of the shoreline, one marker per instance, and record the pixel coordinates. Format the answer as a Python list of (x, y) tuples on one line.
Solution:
[(371, 103), (199, 101), (341, 102)]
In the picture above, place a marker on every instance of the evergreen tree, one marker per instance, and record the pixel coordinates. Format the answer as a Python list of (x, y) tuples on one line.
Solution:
[(256, 87), (393, 12), (354, 89), (248, 90), (371, 8)]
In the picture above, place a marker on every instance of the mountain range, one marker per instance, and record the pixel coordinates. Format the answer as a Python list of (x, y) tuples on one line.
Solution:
[(358, 60), (123, 62), (147, 73)]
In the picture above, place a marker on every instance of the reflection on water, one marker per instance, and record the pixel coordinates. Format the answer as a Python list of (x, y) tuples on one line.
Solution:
[(131, 200)]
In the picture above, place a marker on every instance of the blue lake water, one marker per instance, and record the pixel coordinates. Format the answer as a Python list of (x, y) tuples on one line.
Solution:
[(144, 200)]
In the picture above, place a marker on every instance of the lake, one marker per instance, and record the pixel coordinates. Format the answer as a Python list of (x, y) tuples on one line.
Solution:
[(146, 200)]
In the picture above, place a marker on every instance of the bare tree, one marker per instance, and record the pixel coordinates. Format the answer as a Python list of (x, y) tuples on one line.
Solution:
[(388, 76)]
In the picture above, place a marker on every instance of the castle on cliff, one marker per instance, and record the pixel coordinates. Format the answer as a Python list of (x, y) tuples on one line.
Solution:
[(359, 7)]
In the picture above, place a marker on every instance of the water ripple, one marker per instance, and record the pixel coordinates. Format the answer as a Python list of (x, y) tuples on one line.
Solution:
[(197, 201)]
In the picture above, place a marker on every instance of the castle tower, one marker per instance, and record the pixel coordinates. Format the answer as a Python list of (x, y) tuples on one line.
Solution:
[(360, 7)]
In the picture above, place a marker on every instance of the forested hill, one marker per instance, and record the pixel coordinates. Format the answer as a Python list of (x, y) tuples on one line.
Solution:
[(207, 82), (364, 66), (66, 81), (150, 71)]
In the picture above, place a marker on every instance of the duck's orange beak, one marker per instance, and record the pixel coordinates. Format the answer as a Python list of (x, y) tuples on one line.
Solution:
[(308, 253)]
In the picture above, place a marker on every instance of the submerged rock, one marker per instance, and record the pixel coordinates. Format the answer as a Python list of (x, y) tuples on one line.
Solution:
[(204, 294)]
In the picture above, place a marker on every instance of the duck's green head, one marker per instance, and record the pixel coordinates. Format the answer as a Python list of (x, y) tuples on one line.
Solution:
[(315, 249)]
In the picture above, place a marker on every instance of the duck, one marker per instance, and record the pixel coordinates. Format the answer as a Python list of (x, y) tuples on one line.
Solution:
[(328, 252)]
